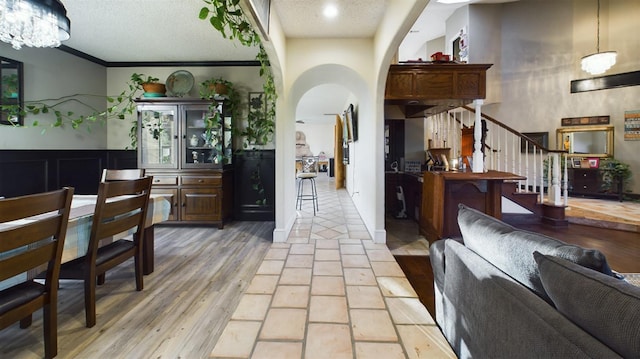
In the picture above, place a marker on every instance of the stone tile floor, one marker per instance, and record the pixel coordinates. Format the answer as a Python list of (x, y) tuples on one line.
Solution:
[(330, 292)]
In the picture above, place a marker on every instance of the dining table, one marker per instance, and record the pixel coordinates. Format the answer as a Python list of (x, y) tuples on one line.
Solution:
[(79, 231)]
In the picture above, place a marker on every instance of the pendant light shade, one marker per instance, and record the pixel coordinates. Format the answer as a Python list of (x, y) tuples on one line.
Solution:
[(33, 23), (600, 62)]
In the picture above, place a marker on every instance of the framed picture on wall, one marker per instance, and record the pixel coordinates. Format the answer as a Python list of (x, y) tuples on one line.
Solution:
[(353, 122), (541, 138), (575, 162), (261, 9)]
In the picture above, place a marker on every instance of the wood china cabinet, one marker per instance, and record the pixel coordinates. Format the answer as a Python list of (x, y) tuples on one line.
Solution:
[(186, 145)]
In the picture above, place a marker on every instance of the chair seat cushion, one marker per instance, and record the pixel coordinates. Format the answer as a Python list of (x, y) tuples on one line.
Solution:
[(19, 294), (74, 268), (307, 175)]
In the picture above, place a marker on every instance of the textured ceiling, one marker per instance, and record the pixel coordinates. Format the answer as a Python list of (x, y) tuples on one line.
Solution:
[(170, 31), (148, 30), (303, 18)]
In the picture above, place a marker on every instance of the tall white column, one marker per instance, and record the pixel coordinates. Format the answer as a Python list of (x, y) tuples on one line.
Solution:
[(478, 158)]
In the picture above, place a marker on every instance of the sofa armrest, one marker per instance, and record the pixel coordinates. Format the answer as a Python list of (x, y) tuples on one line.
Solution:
[(436, 257)]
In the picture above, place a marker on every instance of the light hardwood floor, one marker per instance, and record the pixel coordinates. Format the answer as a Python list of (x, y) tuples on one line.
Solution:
[(199, 277)]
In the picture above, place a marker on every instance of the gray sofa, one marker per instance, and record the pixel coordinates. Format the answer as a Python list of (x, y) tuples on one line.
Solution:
[(507, 293)]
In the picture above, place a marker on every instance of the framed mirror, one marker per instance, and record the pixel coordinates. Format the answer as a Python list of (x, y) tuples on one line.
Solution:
[(11, 91), (587, 141)]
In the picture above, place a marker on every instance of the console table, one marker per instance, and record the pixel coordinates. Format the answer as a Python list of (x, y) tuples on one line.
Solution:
[(443, 191)]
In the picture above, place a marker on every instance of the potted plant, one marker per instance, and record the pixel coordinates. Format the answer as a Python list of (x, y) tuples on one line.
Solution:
[(616, 176), (149, 84), (221, 88), (213, 87)]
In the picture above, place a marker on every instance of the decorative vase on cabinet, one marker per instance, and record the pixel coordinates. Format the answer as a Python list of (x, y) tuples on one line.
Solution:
[(195, 174)]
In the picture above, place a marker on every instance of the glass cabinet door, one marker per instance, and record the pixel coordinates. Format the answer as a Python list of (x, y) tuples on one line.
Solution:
[(157, 134), (205, 140), (228, 144)]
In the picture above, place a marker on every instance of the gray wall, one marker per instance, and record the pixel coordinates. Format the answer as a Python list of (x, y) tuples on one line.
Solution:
[(53, 74), (542, 44)]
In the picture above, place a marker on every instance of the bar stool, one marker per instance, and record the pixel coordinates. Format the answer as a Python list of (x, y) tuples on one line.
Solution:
[(309, 172)]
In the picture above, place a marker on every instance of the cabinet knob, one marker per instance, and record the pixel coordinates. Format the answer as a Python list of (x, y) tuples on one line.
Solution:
[(585, 187), (184, 204), (584, 175), (156, 180), (200, 181)]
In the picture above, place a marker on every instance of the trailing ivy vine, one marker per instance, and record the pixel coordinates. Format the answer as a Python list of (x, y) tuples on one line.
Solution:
[(117, 107), (227, 17)]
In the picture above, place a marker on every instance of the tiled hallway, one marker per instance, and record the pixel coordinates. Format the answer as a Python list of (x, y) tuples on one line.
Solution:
[(330, 292)]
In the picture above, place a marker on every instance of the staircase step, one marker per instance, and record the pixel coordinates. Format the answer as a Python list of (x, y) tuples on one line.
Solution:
[(554, 215)]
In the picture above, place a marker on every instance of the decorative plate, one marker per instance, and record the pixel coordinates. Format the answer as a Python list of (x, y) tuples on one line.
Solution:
[(180, 83)]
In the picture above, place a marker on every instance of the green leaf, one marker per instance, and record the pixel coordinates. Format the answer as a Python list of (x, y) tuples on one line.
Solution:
[(204, 13), (217, 24)]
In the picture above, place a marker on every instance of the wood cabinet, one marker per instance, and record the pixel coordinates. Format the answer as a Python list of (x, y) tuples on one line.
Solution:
[(187, 146), (584, 181), (589, 182), (430, 88)]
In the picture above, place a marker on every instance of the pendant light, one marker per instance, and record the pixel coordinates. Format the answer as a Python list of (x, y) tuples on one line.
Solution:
[(600, 62), (33, 23)]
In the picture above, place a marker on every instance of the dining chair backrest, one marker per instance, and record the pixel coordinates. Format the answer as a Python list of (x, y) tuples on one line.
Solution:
[(121, 175), (32, 234), (121, 207)]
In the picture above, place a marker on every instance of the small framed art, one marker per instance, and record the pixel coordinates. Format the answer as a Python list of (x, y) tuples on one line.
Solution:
[(594, 162), (575, 162)]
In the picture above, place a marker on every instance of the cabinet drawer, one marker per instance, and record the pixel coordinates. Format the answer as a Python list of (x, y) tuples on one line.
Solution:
[(202, 180), (165, 180)]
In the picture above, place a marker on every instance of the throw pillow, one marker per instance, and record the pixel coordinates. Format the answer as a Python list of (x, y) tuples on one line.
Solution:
[(511, 249), (607, 308)]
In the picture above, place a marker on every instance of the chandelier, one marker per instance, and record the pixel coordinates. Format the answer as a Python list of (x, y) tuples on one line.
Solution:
[(600, 62), (33, 23)]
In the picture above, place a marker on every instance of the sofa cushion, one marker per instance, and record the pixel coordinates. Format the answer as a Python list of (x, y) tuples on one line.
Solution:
[(488, 314), (607, 308), (511, 249)]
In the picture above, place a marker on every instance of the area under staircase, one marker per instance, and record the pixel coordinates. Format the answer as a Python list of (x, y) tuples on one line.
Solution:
[(541, 196)]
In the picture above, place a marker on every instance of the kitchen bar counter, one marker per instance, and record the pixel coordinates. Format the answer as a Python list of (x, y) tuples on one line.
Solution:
[(443, 191)]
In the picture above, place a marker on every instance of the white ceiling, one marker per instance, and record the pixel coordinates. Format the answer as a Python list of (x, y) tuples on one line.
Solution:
[(170, 31)]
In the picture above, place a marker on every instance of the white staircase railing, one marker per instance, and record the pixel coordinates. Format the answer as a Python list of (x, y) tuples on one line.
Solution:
[(505, 150)]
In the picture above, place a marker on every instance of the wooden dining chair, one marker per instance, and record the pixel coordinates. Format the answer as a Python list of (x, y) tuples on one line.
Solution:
[(121, 175), (121, 206), (33, 244)]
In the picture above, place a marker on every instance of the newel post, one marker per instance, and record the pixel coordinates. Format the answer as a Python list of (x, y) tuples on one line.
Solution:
[(554, 190), (478, 157)]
